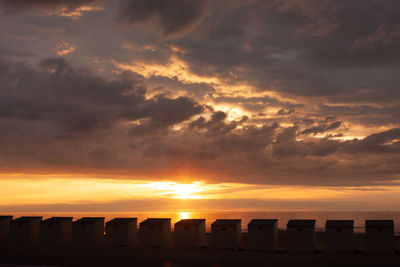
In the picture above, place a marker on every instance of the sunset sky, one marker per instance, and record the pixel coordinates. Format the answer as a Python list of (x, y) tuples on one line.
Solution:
[(133, 105)]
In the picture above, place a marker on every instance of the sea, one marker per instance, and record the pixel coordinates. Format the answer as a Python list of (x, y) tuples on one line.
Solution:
[(283, 217)]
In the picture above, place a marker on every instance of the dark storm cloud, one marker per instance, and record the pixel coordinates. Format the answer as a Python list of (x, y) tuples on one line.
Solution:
[(75, 98), (53, 100), (314, 48), (53, 91), (14, 6), (171, 17)]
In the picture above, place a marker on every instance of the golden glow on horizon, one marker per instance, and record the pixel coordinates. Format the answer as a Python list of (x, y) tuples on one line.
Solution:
[(47, 190)]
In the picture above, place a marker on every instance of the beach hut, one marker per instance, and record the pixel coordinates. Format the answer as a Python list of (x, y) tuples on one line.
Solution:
[(25, 231), (301, 235), (56, 232), (190, 233), (155, 232), (339, 235), (122, 232), (88, 232), (262, 235), (380, 236), (226, 234), (5, 229)]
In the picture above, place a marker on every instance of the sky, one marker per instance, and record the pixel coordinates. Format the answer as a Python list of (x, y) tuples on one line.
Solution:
[(227, 104)]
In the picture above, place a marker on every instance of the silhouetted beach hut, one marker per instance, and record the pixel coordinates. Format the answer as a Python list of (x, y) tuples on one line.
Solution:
[(155, 232), (301, 235), (262, 234), (226, 234), (122, 232), (5, 229), (88, 232), (190, 233), (56, 231), (380, 236), (26, 231), (339, 235)]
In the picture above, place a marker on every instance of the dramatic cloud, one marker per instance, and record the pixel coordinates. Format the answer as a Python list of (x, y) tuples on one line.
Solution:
[(171, 17), (272, 92), (75, 98)]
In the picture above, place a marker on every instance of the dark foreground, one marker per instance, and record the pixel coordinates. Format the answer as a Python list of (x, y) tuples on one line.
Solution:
[(122, 256), (186, 257)]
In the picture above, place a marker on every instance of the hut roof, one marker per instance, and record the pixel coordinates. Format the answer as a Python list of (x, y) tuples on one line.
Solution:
[(301, 223), (26, 219), (262, 222), (339, 223), (380, 223), (57, 219), (122, 220), (226, 222), (187, 222), (153, 221), (86, 220)]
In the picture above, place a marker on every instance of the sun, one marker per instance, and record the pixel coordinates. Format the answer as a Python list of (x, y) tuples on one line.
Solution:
[(184, 215), (177, 190), (187, 191)]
